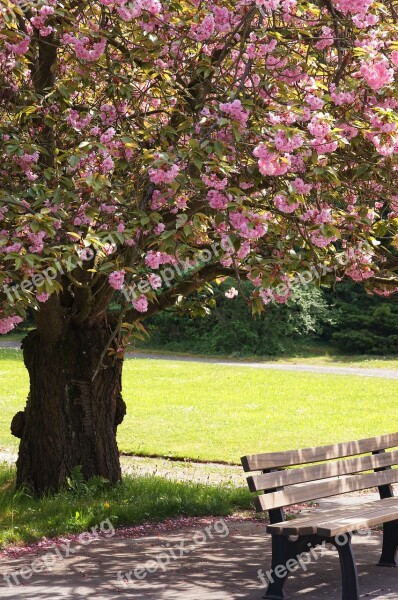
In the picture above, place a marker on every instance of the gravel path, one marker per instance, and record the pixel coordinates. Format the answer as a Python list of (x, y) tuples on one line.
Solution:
[(320, 369), (361, 371), (210, 473)]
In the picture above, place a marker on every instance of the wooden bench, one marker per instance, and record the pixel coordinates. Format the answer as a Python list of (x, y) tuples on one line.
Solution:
[(282, 487)]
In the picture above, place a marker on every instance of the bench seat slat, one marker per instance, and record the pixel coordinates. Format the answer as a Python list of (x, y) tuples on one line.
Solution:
[(275, 460), (323, 489), (322, 471), (307, 523), (332, 522), (363, 521)]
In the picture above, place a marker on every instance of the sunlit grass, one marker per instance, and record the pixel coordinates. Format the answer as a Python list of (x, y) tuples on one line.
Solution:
[(212, 412)]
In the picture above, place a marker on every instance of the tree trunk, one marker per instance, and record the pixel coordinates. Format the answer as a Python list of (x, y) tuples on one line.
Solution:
[(70, 419)]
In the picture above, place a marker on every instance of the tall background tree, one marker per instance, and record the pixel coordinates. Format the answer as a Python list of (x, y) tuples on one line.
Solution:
[(153, 146)]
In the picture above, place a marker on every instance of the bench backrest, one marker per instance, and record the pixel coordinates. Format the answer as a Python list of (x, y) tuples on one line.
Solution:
[(282, 486)]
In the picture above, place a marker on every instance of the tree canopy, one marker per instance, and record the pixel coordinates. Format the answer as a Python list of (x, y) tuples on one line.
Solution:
[(152, 146)]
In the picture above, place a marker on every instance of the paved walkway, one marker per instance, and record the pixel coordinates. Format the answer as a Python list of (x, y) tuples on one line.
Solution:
[(320, 369), (223, 566), (323, 369)]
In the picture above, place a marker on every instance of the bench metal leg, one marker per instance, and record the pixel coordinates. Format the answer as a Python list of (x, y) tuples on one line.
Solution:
[(282, 550), (349, 573), (390, 545)]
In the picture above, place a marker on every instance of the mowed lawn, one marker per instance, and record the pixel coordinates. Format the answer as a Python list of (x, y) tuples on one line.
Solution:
[(211, 412)]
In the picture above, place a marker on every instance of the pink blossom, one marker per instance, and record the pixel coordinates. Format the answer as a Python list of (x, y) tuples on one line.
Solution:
[(271, 163), (159, 228), (377, 74), (319, 127), (287, 144), (116, 279), (217, 200), (86, 48), (155, 259), (20, 47), (282, 204), (394, 57), (141, 304), (327, 38), (353, 6), (43, 297), (235, 111), (163, 174), (205, 30), (8, 323), (155, 281), (301, 187), (231, 293), (213, 181)]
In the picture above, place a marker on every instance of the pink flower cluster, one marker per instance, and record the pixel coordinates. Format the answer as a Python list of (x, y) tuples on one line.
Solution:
[(8, 323), (353, 6), (154, 281), (163, 174), (321, 241), (317, 216), (20, 47), (78, 121), (231, 293), (269, 5), (37, 242), (155, 259), (377, 74), (39, 20), (283, 143), (26, 162), (340, 98), (85, 48), (327, 39), (217, 200), (250, 226), (301, 187), (270, 163), (236, 111), (141, 304), (205, 30), (154, 7), (116, 279), (222, 19), (213, 181), (282, 203), (43, 297), (320, 128)]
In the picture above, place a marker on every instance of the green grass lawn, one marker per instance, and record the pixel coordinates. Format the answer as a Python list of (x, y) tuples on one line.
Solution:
[(211, 412)]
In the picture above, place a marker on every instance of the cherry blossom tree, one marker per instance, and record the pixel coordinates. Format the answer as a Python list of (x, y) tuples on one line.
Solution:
[(150, 147)]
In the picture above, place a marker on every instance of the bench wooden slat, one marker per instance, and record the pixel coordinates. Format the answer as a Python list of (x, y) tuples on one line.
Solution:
[(323, 489), (309, 522), (363, 521), (275, 460), (322, 471), (342, 519)]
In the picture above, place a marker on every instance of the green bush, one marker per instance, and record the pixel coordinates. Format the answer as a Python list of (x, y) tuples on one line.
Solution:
[(365, 324), (231, 329)]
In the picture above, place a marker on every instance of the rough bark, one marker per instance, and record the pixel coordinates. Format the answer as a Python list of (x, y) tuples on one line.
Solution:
[(70, 419)]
